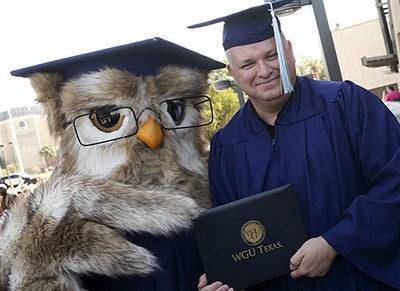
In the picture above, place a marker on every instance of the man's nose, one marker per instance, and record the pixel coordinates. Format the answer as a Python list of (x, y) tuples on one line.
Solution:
[(264, 68)]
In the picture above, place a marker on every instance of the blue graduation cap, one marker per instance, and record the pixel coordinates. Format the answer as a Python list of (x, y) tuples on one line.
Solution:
[(140, 58), (253, 25)]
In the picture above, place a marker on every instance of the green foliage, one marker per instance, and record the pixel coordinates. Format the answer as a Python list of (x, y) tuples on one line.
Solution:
[(225, 103), (219, 74), (309, 66), (36, 170), (11, 168), (49, 153)]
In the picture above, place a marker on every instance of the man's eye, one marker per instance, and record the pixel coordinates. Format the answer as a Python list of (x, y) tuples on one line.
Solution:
[(247, 66), (272, 57), (106, 119), (176, 109)]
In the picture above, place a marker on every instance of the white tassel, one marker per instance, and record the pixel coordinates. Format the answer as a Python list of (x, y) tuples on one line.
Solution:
[(286, 82)]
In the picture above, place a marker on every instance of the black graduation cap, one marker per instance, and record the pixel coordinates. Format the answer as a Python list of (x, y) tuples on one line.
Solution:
[(140, 58), (253, 25)]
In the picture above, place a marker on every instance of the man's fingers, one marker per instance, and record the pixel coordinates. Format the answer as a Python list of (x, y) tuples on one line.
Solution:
[(296, 259), (297, 267), (295, 262), (215, 286), (202, 281), (293, 266), (295, 274)]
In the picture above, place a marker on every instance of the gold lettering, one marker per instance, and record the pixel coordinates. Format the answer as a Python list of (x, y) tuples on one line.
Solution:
[(248, 253), (252, 252), (260, 249), (244, 254), (236, 257)]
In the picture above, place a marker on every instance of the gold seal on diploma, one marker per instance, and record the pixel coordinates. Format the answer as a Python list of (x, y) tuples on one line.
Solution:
[(252, 232)]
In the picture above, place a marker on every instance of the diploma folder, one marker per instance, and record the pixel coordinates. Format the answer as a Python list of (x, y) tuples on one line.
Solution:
[(251, 240)]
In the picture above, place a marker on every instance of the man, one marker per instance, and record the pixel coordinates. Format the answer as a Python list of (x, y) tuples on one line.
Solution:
[(335, 142)]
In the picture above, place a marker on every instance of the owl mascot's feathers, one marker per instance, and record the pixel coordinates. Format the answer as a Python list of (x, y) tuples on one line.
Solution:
[(77, 223)]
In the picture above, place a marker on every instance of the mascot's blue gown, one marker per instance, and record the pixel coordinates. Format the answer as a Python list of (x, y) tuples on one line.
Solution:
[(341, 152), (178, 257)]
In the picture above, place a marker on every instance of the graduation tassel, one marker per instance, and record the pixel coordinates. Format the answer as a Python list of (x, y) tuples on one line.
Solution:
[(286, 82)]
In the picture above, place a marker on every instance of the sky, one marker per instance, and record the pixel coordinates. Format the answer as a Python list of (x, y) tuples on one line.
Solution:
[(39, 31)]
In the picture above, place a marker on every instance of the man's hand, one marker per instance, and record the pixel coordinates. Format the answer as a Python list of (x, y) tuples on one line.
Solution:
[(312, 259), (216, 286)]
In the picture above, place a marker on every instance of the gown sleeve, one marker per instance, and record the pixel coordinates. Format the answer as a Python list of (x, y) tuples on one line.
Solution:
[(219, 191), (368, 232)]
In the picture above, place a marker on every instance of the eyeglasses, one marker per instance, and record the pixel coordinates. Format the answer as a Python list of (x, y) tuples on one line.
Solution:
[(109, 123)]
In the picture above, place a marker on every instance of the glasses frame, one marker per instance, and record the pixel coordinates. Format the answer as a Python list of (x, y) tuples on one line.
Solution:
[(207, 99), (136, 118), (108, 140)]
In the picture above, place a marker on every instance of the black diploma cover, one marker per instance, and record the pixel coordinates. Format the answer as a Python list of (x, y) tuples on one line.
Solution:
[(250, 240)]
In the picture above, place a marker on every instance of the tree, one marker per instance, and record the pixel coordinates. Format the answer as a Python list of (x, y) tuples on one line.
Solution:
[(311, 67), (219, 74), (49, 153), (225, 103)]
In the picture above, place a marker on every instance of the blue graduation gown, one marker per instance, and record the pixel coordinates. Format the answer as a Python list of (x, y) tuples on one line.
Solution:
[(340, 148), (178, 257)]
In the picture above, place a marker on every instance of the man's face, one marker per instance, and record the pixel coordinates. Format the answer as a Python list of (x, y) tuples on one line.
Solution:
[(255, 68)]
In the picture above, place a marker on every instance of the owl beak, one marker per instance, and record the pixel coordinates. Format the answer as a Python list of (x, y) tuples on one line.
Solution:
[(150, 133)]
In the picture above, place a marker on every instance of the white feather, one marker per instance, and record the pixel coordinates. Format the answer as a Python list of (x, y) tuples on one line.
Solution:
[(100, 160)]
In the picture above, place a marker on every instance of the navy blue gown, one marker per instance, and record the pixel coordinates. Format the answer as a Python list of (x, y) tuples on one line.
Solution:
[(339, 146), (179, 260)]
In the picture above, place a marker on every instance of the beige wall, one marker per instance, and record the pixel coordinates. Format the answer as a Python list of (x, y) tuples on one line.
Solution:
[(365, 39), (354, 42), (395, 7), (30, 140)]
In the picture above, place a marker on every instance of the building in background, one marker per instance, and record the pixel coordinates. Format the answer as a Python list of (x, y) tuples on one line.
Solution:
[(23, 132), (368, 52)]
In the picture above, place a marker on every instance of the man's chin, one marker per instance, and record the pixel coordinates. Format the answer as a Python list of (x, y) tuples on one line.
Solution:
[(271, 93)]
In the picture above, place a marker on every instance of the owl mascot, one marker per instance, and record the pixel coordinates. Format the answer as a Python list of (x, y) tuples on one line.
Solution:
[(130, 178)]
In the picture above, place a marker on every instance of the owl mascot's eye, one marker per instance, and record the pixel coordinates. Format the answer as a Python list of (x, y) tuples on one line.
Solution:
[(106, 119), (176, 109)]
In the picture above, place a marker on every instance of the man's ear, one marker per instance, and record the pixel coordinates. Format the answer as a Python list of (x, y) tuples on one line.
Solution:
[(290, 49), (229, 69)]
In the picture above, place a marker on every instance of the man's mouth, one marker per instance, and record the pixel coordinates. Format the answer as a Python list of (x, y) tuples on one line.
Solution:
[(269, 82)]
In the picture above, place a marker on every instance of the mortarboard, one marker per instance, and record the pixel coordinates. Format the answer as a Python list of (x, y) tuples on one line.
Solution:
[(140, 58), (253, 25)]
